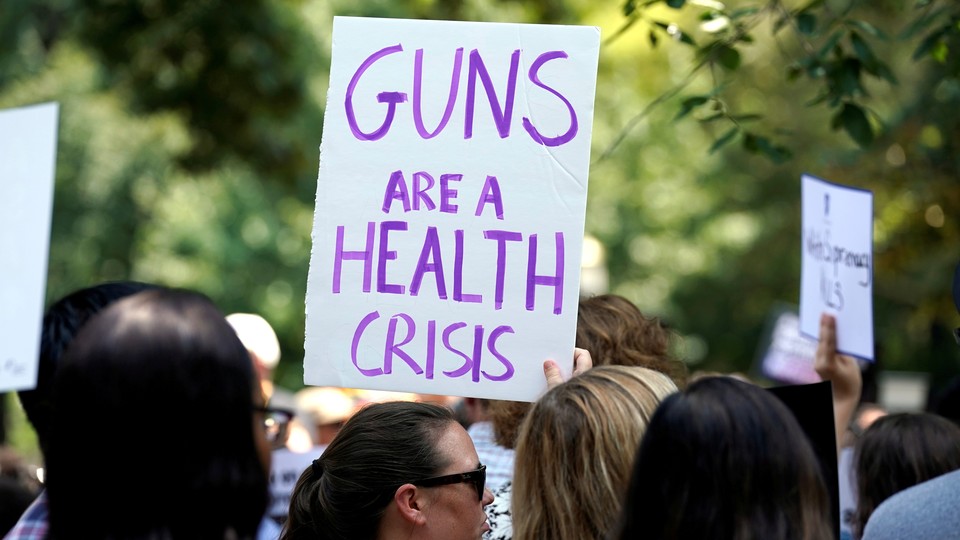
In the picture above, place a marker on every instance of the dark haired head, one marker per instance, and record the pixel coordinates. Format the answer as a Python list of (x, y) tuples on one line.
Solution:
[(61, 323), (155, 405), (344, 494), (898, 451), (725, 459)]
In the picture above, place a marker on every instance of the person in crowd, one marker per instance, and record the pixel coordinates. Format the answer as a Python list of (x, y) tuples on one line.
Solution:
[(575, 452), (61, 322), (159, 407), (615, 332), (899, 451), (258, 336), (498, 459), (325, 409), (846, 379), (725, 459), (395, 470)]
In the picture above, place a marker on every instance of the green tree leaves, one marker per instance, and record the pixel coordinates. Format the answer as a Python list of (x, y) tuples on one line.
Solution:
[(853, 120), (832, 50)]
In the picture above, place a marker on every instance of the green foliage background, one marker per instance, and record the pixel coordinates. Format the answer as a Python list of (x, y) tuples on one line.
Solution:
[(188, 150)]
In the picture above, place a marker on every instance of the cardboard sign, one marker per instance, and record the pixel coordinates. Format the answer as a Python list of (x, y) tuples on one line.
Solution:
[(837, 263), (28, 151), (450, 206)]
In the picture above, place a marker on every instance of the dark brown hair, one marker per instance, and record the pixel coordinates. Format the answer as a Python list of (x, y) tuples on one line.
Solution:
[(898, 451), (344, 494), (617, 333), (725, 459)]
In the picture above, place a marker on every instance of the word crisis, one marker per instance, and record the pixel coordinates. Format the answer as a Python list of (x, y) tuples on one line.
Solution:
[(394, 341), (502, 111), (375, 251)]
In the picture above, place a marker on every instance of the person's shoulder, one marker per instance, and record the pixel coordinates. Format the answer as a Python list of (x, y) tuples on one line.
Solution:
[(268, 529), (926, 510), (481, 429)]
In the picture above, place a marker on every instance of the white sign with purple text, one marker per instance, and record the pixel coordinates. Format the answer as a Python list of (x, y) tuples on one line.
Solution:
[(837, 263), (28, 153), (450, 206)]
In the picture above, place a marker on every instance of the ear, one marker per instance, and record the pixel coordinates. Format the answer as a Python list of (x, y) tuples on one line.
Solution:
[(409, 503)]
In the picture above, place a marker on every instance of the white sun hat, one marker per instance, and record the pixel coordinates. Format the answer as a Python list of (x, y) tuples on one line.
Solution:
[(257, 336)]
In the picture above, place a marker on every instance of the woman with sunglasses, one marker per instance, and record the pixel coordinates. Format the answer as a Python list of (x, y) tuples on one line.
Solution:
[(395, 470)]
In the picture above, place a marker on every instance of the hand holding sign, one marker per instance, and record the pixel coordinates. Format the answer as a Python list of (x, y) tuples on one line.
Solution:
[(582, 361), (842, 371)]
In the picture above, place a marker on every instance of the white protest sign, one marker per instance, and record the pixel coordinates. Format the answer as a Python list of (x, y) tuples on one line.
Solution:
[(28, 151), (837, 263), (450, 206)]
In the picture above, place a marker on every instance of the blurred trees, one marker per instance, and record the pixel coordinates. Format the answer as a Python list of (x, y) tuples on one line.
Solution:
[(190, 132), (860, 93)]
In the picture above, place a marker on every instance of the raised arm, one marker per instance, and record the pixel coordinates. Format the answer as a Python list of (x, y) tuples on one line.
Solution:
[(842, 371)]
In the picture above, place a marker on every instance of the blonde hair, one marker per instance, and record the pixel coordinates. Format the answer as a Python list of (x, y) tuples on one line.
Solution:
[(576, 449), (616, 333)]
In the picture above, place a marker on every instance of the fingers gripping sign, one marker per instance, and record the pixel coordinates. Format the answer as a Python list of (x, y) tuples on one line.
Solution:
[(582, 361)]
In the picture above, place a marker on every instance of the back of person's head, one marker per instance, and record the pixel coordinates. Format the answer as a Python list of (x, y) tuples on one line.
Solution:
[(345, 493), (898, 451), (576, 449), (61, 323), (157, 411), (725, 459), (615, 333)]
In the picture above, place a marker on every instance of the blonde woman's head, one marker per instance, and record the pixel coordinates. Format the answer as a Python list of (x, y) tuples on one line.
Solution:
[(576, 448)]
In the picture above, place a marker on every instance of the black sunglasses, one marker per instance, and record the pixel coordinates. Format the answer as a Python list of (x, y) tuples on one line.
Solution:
[(478, 478), (275, 422)]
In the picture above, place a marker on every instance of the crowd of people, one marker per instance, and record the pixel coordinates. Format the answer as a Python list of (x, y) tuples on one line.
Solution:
[(175, 401)]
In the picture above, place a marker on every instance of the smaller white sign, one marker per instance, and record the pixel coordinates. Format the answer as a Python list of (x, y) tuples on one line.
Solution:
[(837, 263), (28, 151), (285, 469)]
